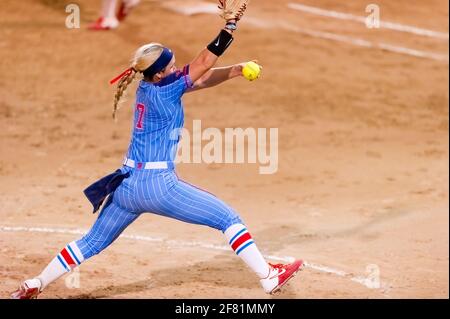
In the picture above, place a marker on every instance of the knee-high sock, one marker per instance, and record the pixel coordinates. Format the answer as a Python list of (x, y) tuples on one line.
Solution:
[(243, 245), (109, 9), (69, 258)]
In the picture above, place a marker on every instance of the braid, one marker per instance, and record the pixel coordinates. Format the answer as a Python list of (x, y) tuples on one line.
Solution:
[(121, 88), (144, 57)]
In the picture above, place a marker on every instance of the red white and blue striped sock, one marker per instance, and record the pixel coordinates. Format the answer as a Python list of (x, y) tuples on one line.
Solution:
[(243, 245), (69, 258)]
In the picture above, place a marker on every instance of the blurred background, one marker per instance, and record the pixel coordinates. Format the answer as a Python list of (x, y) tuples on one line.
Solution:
[(363, 173)]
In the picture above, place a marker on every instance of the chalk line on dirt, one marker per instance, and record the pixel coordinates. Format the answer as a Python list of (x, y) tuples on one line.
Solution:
[(182, 244), (366, 44), (383, 24), (202, 7)]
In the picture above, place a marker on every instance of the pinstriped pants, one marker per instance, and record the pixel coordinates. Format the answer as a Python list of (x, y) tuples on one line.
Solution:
[(160, 192)]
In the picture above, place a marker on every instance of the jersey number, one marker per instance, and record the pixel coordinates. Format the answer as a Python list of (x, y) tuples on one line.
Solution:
[(140, 108)]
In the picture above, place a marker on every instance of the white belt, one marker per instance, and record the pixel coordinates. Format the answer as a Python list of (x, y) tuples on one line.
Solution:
[(146, 165)]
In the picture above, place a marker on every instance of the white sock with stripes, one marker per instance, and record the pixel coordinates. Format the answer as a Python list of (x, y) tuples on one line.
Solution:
[(242, 243), (69, 258)]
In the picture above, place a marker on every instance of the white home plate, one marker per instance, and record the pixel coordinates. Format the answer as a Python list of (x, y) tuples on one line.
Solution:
[(191, 7)]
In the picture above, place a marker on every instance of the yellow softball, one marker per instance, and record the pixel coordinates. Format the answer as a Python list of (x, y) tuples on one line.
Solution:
[(251, 71)]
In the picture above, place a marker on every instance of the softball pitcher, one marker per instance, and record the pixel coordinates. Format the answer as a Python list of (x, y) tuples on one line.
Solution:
[(147, 181)]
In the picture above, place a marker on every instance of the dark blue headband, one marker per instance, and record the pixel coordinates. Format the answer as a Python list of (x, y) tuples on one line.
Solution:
[(159, 65)]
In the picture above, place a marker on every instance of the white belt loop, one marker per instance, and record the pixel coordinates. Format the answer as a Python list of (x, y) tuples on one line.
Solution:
[(128, 162)]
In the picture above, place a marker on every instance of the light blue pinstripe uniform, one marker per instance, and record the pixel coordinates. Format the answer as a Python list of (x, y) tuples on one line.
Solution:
[(158, 114)]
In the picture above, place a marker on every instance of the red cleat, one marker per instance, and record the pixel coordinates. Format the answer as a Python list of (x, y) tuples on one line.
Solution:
[(29, 289), (122, 13), (280, 275), (104, 24), (125, 8)]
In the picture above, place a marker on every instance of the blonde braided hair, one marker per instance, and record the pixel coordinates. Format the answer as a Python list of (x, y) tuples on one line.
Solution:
[(121, 88), (144, 57)]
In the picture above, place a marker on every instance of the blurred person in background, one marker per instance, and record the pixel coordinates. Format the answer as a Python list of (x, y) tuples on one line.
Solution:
[(111, 15)]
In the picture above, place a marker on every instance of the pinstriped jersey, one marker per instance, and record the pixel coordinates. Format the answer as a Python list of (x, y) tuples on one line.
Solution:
[(158, 118)]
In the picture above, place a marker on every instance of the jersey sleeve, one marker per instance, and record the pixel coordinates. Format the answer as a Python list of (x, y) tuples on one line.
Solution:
[(175, 85)]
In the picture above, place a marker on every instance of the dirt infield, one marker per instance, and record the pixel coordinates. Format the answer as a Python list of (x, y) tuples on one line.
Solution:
[(363, 170)]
